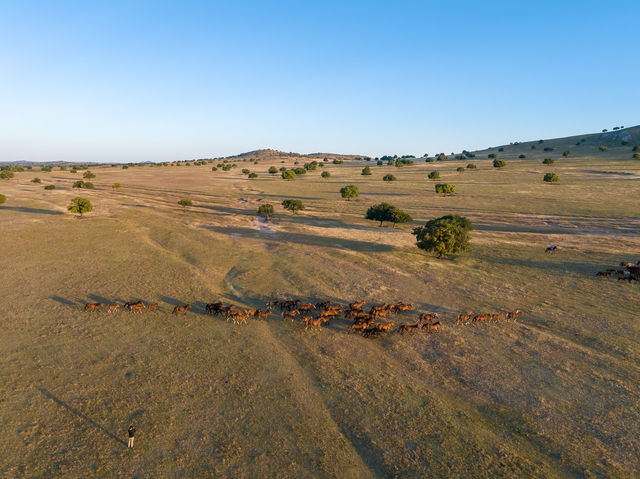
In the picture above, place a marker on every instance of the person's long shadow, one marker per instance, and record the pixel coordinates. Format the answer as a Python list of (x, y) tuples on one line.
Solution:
[(80, 415)]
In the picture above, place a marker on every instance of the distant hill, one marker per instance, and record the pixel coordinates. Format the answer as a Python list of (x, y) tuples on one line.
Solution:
[(277, 155), (616, 141)]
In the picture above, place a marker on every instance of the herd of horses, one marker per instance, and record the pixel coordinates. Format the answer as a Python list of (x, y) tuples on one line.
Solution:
[(369, 322), (631, 272)]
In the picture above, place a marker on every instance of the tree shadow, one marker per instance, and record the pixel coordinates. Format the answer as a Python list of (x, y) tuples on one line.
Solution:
[(79, 414), (39, 211), (300, 238)]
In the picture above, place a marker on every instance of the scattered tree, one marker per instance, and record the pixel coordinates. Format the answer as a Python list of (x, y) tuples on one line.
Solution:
[(300, 171), (366, 171), (292, 205), (184, 202), (6, 174), (446, 235), (245, 171), (80, 206), (288, 175), (460, 169), (325, 174), (551, 178), (389, 177), (471, 166), (36, 180), (566, 153), (434, 175), (445, 189), (499, 163), (214, 168), (115, 186), (602, 148), (273, 170), (522, 156), (265, 210), (88, 175), (253, 175), (349, 191), (548, 161), (50, 187), (3, 199)]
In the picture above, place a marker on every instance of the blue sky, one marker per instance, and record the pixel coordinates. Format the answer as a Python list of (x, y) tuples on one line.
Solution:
[(137, 80)]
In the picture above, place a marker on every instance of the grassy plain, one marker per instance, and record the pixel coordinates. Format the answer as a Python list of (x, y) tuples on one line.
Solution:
[(554, 395)]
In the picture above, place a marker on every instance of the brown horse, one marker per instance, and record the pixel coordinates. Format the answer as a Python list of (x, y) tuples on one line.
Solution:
[(356, 305), (92, 306), (152, 306), (514, 314), (290, 314), (464, 318), (112, 308), (181, 309), (431, 327), (428, 317), (408, 328), (261, 314)]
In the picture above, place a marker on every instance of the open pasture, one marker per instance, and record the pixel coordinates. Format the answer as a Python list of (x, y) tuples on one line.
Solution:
[(554, 394)]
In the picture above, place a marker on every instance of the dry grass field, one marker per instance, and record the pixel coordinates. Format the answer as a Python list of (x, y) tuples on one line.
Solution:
[(555, 394)]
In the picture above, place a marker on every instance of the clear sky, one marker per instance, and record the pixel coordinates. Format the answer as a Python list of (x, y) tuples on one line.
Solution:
[(157, 80)]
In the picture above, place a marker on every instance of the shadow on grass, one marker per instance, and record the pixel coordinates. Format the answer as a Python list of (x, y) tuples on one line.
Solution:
[(39, 211), (196, 307), (79, 414), (64, 301), (304, 239)]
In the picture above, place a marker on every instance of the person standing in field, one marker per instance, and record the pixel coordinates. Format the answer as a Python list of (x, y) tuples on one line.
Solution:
[(132, 431)]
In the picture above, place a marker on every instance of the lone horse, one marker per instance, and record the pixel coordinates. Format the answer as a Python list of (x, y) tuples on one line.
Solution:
[(551, 249)]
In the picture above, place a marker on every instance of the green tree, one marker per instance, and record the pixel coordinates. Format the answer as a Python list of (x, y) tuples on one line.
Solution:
[(551, 178), (80, 206), (273, 170), (380, 212), (253, 175), (300, 171), (602, 148), (499, 163), (445, 189), (444, 236), (434, 175), (292, 205), (265, 210), (399, 216), (245, 171), (325, 174), (288, 175), (184, 202), (460, 169), (522, 156), (88, 175), (3, 199), (389, 177), (36, 180), (366, 171), (6, 174), (566, 153), (50, 187), (213, 168), (115, 186), (548, 161), (349, 191), (471, 166)]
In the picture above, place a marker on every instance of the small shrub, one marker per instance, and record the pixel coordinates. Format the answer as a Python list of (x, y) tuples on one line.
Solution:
[(492, 155), (337, 161), (46, 169), (252, 175), (445, 189), (548, 148), (88, 185), (273, 170), (63, 168), (389, 177), (602, 148), (36, 180), (214, 168), (471, 166), (636, 148), (566, 153), (349, 191), (548, 161), (6, 174), (3, 199), (379, 162), (500, 149), (50, 187), (292, 205), (300, 171), (125, 167), (184, 202), (636, 156), (441, 157), (499, 163), (533, 147), (80, 206), (366, 171), (265, 210), (460, 169), (522, 156), (325, 174), (434, 175), (115, 186), (88, 175), (551, 178), (245, 171)]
